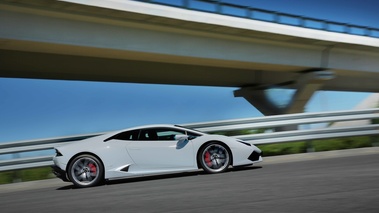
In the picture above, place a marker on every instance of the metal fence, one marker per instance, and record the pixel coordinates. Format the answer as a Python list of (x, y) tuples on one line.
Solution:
[(242, 11), (267, 122)]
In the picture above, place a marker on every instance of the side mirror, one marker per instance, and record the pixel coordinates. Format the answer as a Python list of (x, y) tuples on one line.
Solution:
[(182, 141), (181, 137)]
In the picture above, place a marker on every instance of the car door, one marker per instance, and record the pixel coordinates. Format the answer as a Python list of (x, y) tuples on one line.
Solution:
[(157, 148)]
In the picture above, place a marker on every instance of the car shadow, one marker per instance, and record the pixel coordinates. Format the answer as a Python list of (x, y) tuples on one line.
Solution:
[(163, 176)]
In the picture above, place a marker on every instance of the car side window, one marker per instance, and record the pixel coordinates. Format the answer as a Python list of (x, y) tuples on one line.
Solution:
[(152, 134), (192, 134), (126, 136), (168, 134), (148, 135), (160, 134)]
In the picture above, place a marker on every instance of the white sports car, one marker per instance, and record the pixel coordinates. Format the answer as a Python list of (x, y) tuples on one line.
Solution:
[(149, 150)]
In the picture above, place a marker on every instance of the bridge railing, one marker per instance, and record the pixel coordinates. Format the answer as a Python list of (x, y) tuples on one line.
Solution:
[(230, 9), (17, 148)]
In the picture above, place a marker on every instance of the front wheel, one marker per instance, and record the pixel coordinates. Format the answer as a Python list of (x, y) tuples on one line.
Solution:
[(214, 157), (85, 171)]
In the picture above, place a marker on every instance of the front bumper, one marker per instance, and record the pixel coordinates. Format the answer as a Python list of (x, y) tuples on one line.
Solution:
[(59, 173)]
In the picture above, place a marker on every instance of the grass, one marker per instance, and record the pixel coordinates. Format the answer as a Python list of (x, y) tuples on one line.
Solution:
[(283, 148), (317, 145), (26, 175)]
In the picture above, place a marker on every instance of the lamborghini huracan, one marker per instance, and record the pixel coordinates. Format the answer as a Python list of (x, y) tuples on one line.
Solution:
[(149, 150)]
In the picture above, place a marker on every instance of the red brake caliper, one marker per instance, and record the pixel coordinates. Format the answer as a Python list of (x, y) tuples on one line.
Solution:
[(207, 158), (92, 168)]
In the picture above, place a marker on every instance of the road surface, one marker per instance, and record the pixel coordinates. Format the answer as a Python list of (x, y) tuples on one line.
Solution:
[(317, 182)]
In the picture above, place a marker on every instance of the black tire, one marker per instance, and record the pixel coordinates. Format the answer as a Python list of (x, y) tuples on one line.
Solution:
[(86, 171), (214, 157)]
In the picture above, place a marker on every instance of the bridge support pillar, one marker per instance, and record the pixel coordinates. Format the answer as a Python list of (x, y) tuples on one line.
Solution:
[(305, 86)]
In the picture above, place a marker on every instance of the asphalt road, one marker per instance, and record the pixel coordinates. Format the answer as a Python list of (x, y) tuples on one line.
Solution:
[(344, 183)]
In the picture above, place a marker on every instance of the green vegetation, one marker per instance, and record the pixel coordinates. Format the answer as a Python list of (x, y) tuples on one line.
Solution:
[(317, 145), (283, 148), (239, 132), (375, 121), (26, 175)]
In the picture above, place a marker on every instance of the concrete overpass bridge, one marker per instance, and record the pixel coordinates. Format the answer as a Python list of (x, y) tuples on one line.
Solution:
[(135, 41)]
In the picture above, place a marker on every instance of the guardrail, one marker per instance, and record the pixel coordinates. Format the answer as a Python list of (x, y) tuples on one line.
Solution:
[(218, 126), (230, 9)]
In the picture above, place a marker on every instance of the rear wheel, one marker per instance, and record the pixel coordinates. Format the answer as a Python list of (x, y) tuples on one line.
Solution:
[(214, 157), (85, 171)]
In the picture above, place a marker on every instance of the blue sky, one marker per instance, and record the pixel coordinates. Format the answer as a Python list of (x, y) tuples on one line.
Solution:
[(31, 109)]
